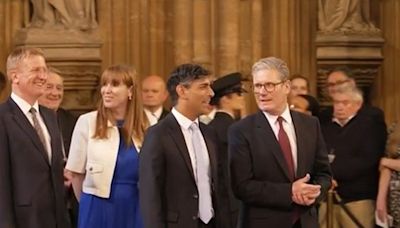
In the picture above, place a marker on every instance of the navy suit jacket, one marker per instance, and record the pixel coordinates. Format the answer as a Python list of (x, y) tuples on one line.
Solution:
[(259, 173), (167, 187), (31, 189)]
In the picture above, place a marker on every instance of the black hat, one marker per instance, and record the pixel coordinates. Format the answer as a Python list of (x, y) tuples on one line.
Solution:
[(231, 83)]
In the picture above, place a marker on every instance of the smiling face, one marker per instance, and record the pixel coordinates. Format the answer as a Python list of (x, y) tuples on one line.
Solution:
[(54, 91), (275, 101), (115, 94), (29, 78)]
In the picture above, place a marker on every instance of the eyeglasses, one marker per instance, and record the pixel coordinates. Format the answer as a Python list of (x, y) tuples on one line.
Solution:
[(268, 86)]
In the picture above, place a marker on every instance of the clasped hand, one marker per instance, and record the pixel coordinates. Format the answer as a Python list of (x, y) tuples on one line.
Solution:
[(304, 193)]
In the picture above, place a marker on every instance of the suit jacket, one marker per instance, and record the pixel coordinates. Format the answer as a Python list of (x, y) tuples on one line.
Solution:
[(31, 189), (221, 122), (66, 123), (167, 187), (259, 175), (164, 113)]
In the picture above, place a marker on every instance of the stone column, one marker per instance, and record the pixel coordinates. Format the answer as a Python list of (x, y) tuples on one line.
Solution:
[(183, 31), (202, 32), (228, 36)]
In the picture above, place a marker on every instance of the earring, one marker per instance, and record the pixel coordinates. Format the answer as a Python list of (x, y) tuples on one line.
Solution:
[(129, 97)]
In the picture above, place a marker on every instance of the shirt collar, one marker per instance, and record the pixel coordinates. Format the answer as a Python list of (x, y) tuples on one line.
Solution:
[(23, 105), (285, 115), (157, 113), (183, 121)]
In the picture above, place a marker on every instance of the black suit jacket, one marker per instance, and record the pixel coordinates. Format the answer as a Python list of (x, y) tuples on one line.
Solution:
[(259, 175), (66, 123), (168, 191), (31, 189), (221, 123), (164, 113)]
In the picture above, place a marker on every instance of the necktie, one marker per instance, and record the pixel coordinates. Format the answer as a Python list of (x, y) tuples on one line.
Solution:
[(286, 149), (38, 129), (202, 176)]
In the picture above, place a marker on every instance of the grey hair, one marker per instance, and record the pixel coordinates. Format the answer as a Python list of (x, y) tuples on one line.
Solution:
[(21, 53), (272, 63), (355, 93)]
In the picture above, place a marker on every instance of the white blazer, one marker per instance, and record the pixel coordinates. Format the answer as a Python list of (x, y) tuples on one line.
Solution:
[(96, 158)]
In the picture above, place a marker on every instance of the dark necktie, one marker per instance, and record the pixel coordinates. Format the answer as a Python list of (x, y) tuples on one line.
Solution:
[(38, 128), (286, 149)]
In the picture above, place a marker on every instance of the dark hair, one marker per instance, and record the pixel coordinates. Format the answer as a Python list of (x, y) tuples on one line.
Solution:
[(343, 69), (313, 105), (299, 76), (2, 81), (184, 74)]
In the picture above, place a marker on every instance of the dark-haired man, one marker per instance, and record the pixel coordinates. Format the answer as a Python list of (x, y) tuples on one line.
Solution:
[(178, 160)]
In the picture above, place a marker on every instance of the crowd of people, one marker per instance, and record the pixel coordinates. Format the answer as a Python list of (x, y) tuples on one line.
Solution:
[(134, 163)]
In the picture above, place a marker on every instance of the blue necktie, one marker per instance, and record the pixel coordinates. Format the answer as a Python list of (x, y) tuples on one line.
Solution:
[(202, 175)]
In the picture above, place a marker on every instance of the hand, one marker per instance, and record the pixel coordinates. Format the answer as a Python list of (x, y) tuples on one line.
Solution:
[(67, 178), (384, 163), (334, 184), (304, 193), (381, 209)]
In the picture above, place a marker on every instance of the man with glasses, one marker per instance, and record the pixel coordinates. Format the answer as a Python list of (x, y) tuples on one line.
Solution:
[(278, 161)]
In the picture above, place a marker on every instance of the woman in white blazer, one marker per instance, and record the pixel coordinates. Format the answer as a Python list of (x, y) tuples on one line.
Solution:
[(103, 157)]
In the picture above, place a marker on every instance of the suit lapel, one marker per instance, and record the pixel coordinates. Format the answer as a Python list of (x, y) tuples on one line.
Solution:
[(212, 152), (21, 121), (177, 135), (271, 142), (300, 139)]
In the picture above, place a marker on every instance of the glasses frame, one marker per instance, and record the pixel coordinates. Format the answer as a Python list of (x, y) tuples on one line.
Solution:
[(268, 86)]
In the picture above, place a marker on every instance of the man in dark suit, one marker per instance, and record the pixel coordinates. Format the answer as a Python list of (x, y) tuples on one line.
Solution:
[(31, 160), (154, 94), (178, 161), (52, 98), (228, 100), (278, 160)]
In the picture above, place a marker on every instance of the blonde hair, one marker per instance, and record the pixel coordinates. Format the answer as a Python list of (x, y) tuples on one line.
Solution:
[(135, 124), (19, 54), (393, 142)]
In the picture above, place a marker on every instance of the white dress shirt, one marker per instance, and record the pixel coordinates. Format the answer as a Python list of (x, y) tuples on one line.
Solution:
[(185, 123), (153, 117)]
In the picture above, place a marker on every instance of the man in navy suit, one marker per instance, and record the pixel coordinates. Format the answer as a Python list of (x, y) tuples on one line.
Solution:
[(278, 160), (31, 160), (178, 161)]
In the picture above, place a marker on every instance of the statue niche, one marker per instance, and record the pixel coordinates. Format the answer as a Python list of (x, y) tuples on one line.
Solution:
[(345, 16), (64, 14)]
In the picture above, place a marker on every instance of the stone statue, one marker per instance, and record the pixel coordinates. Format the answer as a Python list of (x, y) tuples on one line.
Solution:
[(345, 16), (69, 14)]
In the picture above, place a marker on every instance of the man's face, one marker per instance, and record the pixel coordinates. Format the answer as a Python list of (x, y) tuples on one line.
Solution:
[(197, 96), (154, 92), (54, 92), (29, 78), (344, 106), (334, 80), (298, 86), (270, 91)]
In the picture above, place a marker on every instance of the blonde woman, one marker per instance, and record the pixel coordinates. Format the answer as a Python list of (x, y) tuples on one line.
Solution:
[(103, 157), (388, 200)]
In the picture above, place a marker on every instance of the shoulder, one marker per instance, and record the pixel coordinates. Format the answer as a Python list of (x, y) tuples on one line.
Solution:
[(248, 122)]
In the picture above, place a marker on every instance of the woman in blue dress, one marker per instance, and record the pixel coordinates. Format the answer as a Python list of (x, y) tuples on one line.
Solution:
[(103, 157)]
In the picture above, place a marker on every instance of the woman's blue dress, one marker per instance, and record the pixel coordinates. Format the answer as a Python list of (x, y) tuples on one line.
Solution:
[(121, 210)]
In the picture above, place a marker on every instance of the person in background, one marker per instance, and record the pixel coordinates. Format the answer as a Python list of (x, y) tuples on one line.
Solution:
[(305, 103), (228, 99), (31, 159), (278, 160), (104, 158), (299, 85), (179, 180), (388, 199), (52, 98), (154, 94), (357, 142), (3, 87)]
